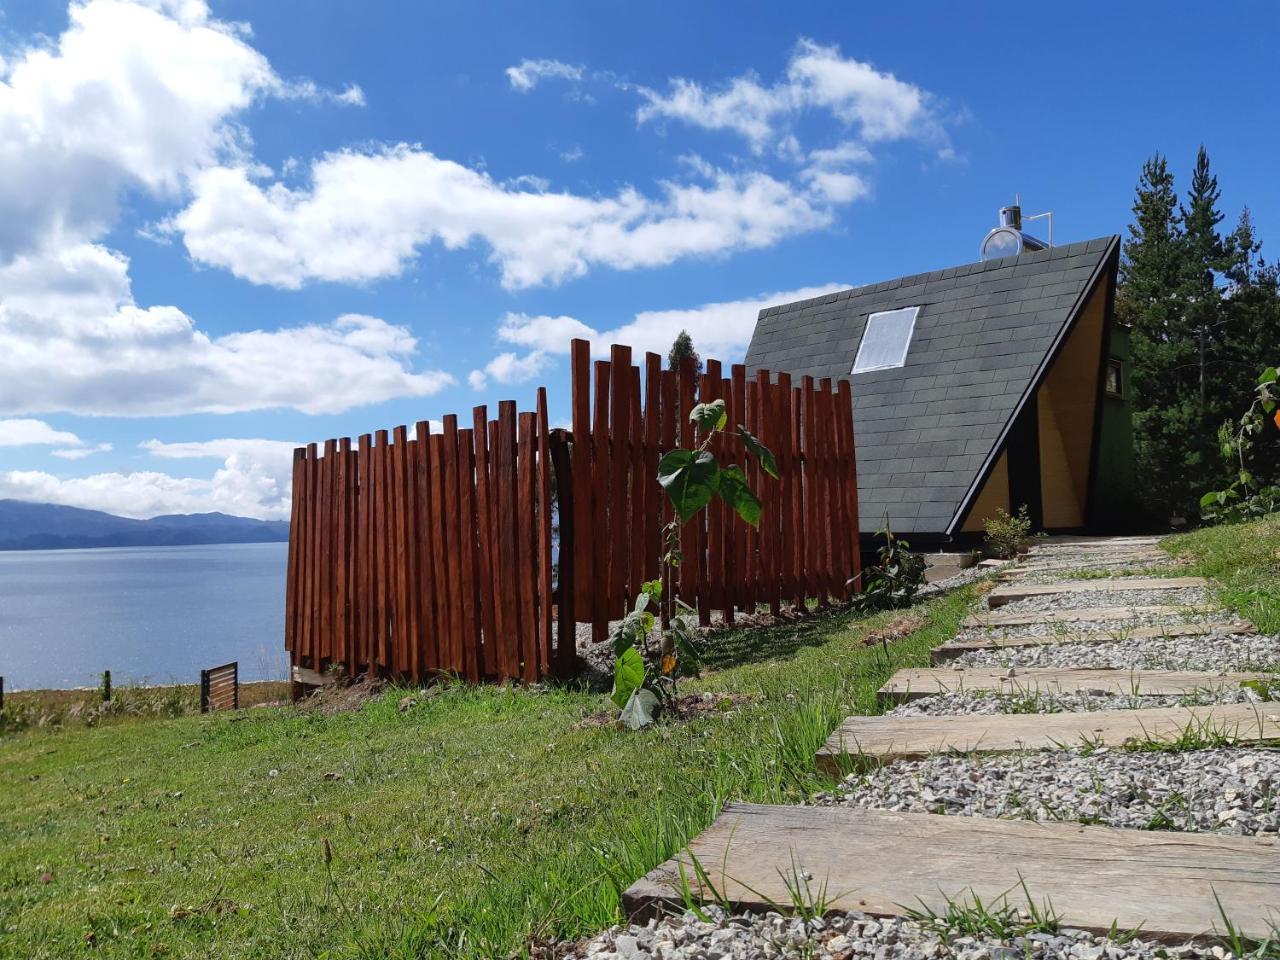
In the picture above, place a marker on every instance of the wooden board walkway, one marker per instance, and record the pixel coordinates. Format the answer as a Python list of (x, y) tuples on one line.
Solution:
[(871, 740), (1010, 618), (878, 862), (913, 683), (949, 651), (1011, 593)]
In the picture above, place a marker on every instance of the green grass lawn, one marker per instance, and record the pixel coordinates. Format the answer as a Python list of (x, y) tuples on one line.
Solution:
[(478, 822), (1244, 559)]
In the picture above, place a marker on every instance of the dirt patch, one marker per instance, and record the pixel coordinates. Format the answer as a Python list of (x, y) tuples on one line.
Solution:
[(343, 697), (896, 629), (684, 708)]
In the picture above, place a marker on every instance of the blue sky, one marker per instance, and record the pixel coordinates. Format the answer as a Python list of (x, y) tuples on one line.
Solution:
[(228, 228)]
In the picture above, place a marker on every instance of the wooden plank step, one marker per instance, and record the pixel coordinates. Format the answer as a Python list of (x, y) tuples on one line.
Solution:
[(949, 651), (914, 682), (871, 740), (1010, 618), (880, 863), (1011, 593)]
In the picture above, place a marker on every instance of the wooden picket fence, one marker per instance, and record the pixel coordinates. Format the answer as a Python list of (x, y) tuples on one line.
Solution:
[(806, 546), (419, 557), (413, 557)]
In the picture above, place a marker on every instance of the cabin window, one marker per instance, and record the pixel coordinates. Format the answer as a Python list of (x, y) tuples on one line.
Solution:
[(1115, 382), (885, 341)]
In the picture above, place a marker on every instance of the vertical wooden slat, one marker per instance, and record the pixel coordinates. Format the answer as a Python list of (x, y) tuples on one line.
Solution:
[(364, 553), (770, 588), (688, 532), (505, 462), (640, 484), (327, 557), (798, 495), (619, 555), (425, 512), (343, 649), (669, 433), (399, 560), (583, 494), (755, 591), (741, 534), (849, 475), (543, 559), (526, 544), (442, 624), (652, 439), (716, 511), (812, 489), (452, 546), (602, 596), (472, 596), (486, 662), (381, 550), (294, 569), (566, 658), (826, 540), (733, 529), (413, 558)]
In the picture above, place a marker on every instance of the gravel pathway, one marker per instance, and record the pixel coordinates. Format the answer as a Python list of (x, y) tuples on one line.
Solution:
[(1232, 791), (749, 936), (990, 704), (1206, 652), (1181, 597)]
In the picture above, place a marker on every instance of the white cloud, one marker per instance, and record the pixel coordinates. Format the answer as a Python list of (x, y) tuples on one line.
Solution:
[(73, 339), (508, 368), (79, 453), (24, 433), (131, 95), (365, 214), (529, 73), (254, 480), (141, 96), (876, 104), (719, 330)]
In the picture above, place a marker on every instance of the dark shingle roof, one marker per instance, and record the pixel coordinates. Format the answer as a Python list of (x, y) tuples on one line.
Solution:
[(924, 431)]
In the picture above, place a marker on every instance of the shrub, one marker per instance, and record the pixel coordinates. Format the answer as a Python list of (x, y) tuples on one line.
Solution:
[(1006, 532), (894, 579)]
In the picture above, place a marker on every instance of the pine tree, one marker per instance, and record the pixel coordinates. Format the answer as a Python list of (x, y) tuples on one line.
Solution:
[(683, 347), (1205, 315)]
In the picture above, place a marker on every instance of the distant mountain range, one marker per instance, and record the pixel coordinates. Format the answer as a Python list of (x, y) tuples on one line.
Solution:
[(47, 526)]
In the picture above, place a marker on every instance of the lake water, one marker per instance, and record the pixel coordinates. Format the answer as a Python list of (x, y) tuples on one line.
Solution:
[(148, 614)]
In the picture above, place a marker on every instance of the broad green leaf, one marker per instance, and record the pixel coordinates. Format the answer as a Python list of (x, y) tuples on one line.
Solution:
[(642, 602), (735, 492), (759, 451), (628, 676), (709, 416), (653, 588), (629, 631), (638, 711), (1268, 375), (690, 479)]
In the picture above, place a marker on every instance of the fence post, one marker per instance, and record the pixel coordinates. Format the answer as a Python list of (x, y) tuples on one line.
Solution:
[(106, 686), (1, 698), (566, 623), (204, 691)]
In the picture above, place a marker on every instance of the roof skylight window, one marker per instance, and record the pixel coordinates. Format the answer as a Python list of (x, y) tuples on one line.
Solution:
[(886, 339)]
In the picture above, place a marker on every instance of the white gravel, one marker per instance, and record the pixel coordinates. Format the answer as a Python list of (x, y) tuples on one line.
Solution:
[(747, 936), (1205, 652), (990, 704), (1232, 791), (1181, 597)]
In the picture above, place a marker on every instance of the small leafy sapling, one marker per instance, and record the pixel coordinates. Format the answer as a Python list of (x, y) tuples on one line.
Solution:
[(692, 479), (1245, 497)]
